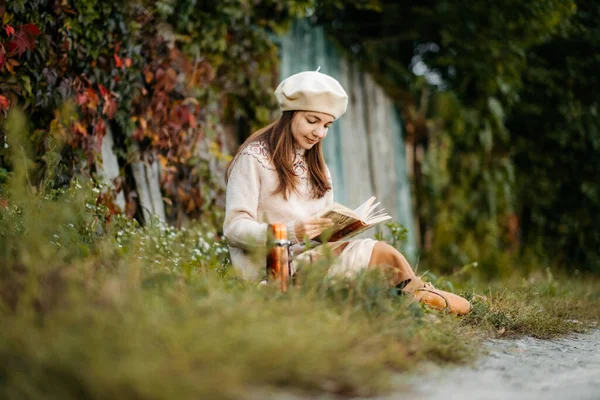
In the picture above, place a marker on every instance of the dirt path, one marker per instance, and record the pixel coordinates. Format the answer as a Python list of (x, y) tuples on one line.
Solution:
[(522, 369)]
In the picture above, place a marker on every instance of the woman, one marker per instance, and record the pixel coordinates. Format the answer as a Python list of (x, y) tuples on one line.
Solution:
[(279, 175)]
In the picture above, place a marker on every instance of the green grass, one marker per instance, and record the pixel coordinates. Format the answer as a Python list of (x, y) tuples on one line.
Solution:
[(114, 328), (540, 305), (115, 335)]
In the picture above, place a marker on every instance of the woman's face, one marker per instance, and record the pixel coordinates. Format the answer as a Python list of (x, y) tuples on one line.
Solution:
[(309, 128)]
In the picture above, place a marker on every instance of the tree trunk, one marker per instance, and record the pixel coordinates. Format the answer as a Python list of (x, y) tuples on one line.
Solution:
[(146, 175), (109, 167)]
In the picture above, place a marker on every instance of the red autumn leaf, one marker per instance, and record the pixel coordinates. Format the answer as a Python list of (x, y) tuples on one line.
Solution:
[(2, 56), (80, 129), (182, 114), (175, 124), (192, 120), (9, 30), (118, 61), (92, 98), (138, 134), (20, 44), (127, 62), (103, 90), (24, 40), (81, 98), (148, 76), (31, 29), (100, 128), (190, 206), (110, 107), (4, 103)]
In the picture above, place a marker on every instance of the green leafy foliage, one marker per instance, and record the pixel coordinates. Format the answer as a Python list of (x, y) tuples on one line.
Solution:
[(556, 130), (396, 235), (499, 120)]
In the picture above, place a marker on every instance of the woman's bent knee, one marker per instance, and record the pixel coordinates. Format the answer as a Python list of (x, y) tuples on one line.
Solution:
[(387, 257)]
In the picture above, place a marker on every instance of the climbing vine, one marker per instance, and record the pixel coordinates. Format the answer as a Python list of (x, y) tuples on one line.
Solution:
[(172, 80)]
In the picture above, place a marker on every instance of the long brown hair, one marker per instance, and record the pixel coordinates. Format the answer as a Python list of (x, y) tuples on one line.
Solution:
[(280, 143)]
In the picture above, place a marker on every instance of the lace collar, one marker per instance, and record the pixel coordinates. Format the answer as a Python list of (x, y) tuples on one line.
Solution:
[(260, 151)]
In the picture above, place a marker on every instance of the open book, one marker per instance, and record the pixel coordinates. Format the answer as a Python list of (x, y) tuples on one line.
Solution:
[(348, 223)]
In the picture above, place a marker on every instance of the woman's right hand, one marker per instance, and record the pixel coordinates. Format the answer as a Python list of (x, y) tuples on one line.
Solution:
[(311, 227)]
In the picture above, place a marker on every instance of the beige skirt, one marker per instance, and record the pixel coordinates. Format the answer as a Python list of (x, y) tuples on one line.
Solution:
[(354, 258)]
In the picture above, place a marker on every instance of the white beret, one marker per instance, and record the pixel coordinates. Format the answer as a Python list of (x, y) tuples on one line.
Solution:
[(312, 91)]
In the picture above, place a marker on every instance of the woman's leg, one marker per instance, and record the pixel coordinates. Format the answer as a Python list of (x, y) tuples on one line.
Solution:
[(393, 262), (402, 275)]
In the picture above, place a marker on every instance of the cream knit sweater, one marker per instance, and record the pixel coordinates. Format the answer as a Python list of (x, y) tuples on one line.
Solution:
[(251, 206)]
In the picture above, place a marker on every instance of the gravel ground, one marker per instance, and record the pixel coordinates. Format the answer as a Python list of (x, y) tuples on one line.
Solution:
[(522, 369)]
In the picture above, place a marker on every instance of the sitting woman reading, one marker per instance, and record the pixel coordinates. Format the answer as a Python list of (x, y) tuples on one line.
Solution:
[(279, 175)]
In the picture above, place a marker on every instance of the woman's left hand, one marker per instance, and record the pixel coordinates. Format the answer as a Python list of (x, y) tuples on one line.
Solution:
[(311, 227)]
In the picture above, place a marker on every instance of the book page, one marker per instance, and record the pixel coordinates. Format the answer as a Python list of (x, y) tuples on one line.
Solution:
[(372, 211), (365, 208), (338, 209), (377, 219)]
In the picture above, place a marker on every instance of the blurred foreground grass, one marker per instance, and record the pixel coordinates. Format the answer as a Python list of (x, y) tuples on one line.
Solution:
[(91, 308)]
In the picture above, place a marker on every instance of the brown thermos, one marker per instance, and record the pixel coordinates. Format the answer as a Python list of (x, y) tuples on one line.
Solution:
[(278, 267)]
